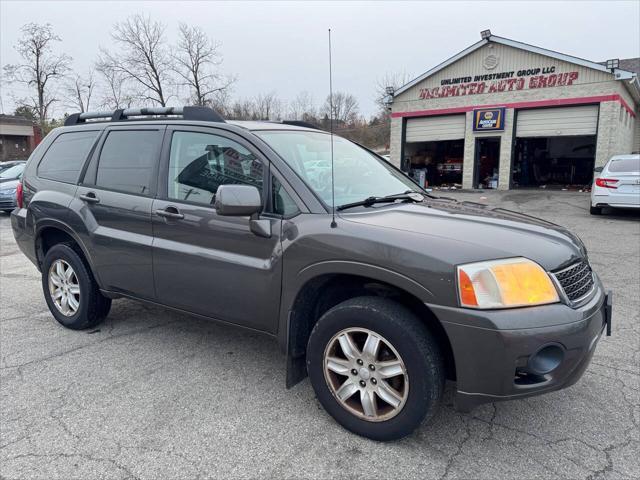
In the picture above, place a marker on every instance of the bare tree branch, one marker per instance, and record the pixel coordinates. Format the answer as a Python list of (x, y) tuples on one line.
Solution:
[(144, 57), (195, 60), (345, 108), (79, 91), (267, 107), (39, 70)]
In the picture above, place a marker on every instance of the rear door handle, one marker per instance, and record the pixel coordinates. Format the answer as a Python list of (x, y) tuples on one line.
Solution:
[(89, 198), (170, 212)]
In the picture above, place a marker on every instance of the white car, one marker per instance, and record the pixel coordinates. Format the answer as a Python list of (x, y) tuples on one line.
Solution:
[(617, 184)]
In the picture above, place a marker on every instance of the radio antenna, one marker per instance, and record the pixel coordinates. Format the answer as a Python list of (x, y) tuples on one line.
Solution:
[(333, 191)]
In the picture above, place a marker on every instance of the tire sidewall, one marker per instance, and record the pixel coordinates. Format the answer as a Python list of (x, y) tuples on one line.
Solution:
[(66, 253), (425, 377)]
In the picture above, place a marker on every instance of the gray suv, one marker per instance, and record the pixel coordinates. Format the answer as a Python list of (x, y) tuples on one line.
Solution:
[(378, 304)]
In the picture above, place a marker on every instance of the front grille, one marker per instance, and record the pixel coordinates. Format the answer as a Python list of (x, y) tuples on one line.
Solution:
[(576, 281)]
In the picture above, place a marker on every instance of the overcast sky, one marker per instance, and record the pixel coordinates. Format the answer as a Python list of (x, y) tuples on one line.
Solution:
[(282, 46)]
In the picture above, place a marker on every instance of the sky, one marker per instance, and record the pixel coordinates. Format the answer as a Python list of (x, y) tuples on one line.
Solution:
[(282, 46)]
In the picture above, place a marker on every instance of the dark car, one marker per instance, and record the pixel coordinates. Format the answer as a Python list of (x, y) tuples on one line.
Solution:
[(9, 180), (379, 304)]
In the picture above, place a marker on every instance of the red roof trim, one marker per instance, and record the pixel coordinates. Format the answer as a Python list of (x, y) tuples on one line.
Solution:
[(531, 104)]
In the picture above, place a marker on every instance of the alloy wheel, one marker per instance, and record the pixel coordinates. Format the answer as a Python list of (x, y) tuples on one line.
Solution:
[(366, 374), (64, 288)]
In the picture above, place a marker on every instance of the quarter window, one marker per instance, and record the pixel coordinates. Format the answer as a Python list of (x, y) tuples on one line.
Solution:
[(201, 162), (66, 155), (127, 161)]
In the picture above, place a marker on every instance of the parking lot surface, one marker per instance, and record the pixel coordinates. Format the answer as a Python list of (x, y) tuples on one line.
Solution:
[(154, 394)]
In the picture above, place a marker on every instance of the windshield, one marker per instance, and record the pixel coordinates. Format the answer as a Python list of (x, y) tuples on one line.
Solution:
[(358, 174), (12, 172), (625, 165)]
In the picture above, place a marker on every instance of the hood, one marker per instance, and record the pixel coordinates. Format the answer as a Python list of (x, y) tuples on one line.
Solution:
[(8, 183), (476, 232)]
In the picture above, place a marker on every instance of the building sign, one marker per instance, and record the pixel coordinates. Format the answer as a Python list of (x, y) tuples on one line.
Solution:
[(531, 78), (488, 119)]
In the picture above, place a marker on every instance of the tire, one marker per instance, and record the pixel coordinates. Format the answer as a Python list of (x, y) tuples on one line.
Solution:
[(402, 335), (595, 210), (91, 306)]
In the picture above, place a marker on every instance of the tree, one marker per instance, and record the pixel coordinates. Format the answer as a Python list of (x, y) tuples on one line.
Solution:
[(144, 57), (345, 108), (27, 112), (242, 110), (196, 58), (79, 91), (267, 107), (389, 80), (40, 69), (113, 87), (303, 108)]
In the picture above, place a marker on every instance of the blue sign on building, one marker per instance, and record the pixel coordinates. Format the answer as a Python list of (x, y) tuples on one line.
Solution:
[(488, 119)]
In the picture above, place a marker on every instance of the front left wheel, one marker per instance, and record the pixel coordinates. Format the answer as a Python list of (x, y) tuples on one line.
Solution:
[(71, 292), (375, 367)]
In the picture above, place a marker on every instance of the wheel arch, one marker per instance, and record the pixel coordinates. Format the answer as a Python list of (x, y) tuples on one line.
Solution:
[(51, 232), (322, 288)]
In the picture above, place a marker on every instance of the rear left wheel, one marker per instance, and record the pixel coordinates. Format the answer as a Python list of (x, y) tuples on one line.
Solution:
[(595, 210), (71, 292), (375, 367)]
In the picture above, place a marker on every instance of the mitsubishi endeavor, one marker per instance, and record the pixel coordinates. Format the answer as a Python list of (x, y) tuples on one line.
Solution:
[(374, 288)]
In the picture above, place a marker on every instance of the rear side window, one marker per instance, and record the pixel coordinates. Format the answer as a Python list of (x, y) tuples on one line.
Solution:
[(625, 165), (127, 161), (66, 155)]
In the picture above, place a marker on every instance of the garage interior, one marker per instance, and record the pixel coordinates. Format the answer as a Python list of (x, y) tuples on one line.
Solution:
[(434, 150), (555, 147), (554, 162), (487, 163)]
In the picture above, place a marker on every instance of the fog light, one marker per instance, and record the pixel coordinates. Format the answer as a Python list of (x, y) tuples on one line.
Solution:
[(545, 360)]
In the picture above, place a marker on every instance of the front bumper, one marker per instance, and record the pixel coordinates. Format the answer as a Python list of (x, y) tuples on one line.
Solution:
[(492, 354)]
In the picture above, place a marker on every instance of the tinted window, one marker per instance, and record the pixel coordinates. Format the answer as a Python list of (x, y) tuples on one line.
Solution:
[(283, 204), (127, 161), (65, 157), (201, 162), (625, 165)]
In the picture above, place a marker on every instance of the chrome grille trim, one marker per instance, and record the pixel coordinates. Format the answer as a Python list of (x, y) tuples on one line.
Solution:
[(576, 282)]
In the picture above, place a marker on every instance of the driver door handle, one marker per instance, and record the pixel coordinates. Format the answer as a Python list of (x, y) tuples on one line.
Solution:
[(170, 212)]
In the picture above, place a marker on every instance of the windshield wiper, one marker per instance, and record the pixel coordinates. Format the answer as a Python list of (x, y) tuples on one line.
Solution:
[(367, 202)]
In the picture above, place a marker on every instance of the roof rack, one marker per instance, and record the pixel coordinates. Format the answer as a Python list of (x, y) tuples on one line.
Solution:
[(204, 114), (299, 123)]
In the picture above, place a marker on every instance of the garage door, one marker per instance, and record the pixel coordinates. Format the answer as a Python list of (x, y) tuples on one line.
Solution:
[(431, 129), (555, 122)]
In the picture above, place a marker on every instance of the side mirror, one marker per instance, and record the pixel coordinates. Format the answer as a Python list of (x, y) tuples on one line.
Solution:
[(598, 169), (237, 200)]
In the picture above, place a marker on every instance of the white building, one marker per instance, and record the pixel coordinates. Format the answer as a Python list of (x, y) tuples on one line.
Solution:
[(507, 114)]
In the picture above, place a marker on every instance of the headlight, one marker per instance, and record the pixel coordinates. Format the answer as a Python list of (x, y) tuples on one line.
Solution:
[(8, 193), (513, 282)]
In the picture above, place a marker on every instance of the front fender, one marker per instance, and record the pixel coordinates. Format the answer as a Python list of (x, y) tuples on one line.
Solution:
[(294, 285)]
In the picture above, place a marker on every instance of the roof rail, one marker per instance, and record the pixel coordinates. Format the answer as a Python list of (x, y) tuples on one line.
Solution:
[(204, 114), (300, 123)]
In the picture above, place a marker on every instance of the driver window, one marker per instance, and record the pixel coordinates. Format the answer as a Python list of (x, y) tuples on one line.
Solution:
[(200, 162)]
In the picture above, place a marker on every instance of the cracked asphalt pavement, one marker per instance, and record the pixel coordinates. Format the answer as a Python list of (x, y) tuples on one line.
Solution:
[(154, 394)]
